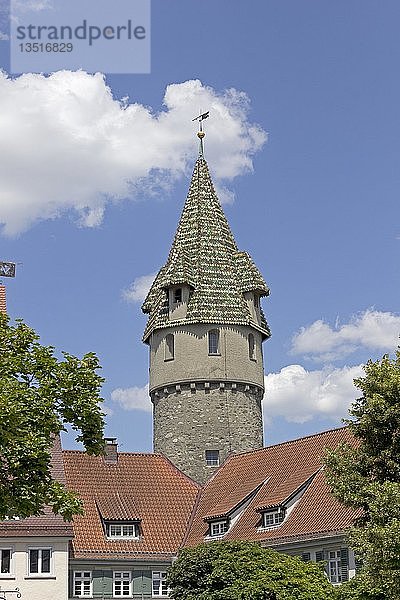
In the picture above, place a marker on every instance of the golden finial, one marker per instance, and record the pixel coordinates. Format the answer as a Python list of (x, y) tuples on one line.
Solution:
[(201, 134)]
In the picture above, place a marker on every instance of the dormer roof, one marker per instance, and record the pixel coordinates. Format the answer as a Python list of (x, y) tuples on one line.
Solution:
[(204, 255), (143, 488), (270, 478)]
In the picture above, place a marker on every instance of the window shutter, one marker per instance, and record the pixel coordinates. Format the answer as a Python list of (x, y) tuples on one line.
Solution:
[(319, 556), (344, 560), (102, 584), (70, 584), (306, 557), (147, 583)]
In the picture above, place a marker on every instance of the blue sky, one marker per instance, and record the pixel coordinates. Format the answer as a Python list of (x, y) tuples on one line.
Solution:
[(92, 190)]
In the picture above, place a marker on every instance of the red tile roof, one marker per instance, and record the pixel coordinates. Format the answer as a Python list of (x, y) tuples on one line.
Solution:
[(274, 474), (47, 524), (139, 486)]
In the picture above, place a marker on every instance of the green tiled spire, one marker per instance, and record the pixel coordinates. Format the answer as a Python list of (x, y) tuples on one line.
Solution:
[(204, 255)]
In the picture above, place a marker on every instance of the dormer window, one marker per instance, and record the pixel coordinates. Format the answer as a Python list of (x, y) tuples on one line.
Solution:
[(213, 341), (177, 295), (219, 528), (116, 530), (273, 517)]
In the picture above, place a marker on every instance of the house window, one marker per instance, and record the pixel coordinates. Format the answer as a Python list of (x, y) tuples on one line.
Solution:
[(334, 566), (213, 341), (83, 584), (178, 296), (274, 517), (212, 458), (336, 563), (252, 347), (39, 561), (5, 560), (159, 580), (218, 528), (122, 584), (169, 352), (116, 531)]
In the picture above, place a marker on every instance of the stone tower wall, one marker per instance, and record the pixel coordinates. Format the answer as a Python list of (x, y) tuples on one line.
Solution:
[(194, 417)]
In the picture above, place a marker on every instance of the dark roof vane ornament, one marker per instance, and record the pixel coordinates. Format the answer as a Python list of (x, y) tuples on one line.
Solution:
[(201, 134)]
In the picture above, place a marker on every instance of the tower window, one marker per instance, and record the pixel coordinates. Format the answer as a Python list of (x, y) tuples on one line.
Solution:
[(213, 341), (212, 458), (169, 352), (252, 347), (177, 295)]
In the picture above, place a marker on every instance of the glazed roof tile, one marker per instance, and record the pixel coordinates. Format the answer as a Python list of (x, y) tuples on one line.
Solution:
[(279, 471), (146, 487), (205, 256)]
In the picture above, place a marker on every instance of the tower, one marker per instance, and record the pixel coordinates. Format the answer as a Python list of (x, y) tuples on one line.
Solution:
[(205, 331)]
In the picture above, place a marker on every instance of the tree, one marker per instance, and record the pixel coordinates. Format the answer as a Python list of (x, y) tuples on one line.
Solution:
[(244, 571), (366, 477), (39, 396)]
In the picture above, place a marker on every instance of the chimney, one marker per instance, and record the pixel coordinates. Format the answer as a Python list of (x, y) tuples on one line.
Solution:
[(3, 304), (111, 451)]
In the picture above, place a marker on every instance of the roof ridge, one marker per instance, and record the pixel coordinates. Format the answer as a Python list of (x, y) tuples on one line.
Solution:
[(292, 441)]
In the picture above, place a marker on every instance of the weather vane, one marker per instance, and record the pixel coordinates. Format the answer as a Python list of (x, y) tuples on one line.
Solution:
[(200, 133), (7, 269)]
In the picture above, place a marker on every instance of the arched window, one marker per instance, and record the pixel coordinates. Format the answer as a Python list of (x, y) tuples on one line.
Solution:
[(213, 341), (169, 350), (252, 347)]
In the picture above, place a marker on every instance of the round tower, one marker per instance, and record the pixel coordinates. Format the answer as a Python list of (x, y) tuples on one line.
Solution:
[(205, 331)]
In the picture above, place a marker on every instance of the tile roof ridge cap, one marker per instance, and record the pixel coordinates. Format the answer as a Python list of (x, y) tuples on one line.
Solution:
[(191, 517), (156, 454), (178, 471), (292, 441), (230, 456)]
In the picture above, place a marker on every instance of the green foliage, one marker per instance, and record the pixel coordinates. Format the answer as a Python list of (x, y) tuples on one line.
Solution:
[(39, 396), (367, 477), (244, 571)]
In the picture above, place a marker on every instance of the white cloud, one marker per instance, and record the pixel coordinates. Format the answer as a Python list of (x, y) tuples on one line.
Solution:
[(31, 5), (67, 145), (138, 290), (133, 398), (299, 395), (371, 329)]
